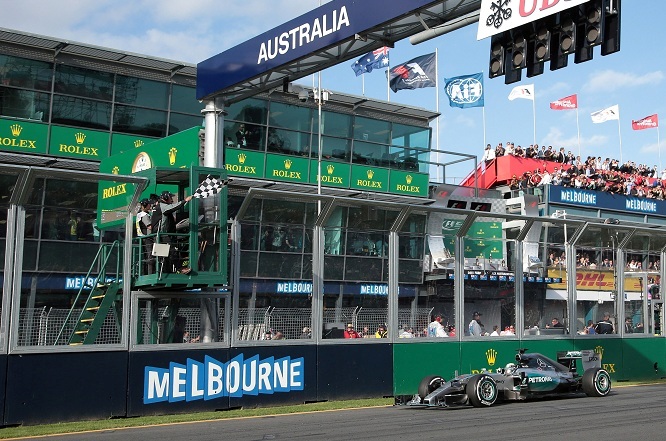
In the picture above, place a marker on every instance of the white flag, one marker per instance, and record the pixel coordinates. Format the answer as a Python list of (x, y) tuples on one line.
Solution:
[(525, 92), (612, 112)]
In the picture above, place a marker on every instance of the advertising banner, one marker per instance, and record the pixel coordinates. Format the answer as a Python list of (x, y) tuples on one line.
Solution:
[(23, 137)]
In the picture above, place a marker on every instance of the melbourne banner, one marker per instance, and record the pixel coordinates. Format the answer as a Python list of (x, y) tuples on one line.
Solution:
[(600, 199), (212, 379)]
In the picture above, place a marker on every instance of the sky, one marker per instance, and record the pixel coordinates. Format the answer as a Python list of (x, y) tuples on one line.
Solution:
[(192, 31)]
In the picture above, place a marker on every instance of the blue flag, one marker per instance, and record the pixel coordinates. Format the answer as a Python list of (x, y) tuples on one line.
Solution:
[(465, 91), (372, 60), (414, 74)]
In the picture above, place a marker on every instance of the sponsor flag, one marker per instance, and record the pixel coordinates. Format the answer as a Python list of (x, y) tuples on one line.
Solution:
[(465, 91), (607, 114), (567, 103), (372, 60), (414, 74), (649, 122), (209, 187), (524, 92)]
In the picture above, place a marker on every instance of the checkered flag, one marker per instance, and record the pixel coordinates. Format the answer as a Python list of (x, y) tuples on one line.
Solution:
[(209, 187)]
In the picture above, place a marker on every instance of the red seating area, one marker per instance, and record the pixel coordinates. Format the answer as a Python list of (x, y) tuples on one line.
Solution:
[(500, 170)]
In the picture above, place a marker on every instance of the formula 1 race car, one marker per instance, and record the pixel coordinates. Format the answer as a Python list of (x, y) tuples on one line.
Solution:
[(533, 375)]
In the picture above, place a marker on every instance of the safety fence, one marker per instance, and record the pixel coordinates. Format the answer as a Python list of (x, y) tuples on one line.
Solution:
[(40, 326)]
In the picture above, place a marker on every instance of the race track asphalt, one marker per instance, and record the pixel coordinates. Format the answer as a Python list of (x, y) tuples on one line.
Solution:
[(629, 413)]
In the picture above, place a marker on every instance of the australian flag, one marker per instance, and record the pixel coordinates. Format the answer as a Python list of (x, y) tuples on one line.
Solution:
[(372, 60), (414, 74)]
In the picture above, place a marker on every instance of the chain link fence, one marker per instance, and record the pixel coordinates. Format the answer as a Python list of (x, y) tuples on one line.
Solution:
[(40, 326)]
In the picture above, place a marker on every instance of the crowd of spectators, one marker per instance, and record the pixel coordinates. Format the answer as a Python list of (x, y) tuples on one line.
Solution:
[(588, 260), (560, 167)]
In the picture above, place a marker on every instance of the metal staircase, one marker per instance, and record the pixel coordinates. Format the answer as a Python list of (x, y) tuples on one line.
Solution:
[(105, 292), (94, 313)]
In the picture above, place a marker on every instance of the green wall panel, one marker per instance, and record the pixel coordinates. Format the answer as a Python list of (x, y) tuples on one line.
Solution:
[(413, 361)]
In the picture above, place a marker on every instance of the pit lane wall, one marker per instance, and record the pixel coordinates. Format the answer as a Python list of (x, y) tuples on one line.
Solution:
[(40, 388), (626, 359), (73, 386)]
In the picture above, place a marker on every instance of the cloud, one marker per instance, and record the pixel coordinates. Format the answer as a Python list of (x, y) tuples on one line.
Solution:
[(165, 28), (611, 80), (589, 146)]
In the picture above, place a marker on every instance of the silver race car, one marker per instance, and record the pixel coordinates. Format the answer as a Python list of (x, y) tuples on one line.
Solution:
[(533, 375)]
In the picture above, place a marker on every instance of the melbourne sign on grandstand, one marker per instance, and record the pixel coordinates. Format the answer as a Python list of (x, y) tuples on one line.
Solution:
[(600, 199), (212, 379)]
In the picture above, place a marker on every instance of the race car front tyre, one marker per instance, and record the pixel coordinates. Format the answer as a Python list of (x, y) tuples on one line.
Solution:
[(481, 391), (429, 384), (596, 382)]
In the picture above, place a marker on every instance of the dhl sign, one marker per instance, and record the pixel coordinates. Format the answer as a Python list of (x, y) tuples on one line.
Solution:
[(595, 280)]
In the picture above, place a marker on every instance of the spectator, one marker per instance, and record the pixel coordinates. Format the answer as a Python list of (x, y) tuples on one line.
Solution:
[(604, 326), (436, 329), (555, 323), (381, 332), (475, 327), (406, 332), (488, 154), (495, 332), (628, 326), (307, 333), (350, 332), (278, 336)]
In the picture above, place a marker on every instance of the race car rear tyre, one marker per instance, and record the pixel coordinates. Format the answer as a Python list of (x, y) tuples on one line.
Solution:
[(429, 384), (596, 382), (481, 391)]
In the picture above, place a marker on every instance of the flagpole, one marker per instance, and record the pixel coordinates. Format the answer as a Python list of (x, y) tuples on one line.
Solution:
[(659, 150), (534, 115), (437, 110), (363, 84), (578, 129), (484, 126), (619, 132), (388, 82)]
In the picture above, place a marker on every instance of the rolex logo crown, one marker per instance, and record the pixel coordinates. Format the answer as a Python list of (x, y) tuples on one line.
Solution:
[(172, 155), (115, 170), (330, 168), (138, 143), (409, 179), (242, 157), (370, 174), (599, 350), (16, 129), (80, 137), (287, 164), (491, 356)]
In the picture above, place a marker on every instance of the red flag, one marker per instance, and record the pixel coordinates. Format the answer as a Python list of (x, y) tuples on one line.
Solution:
[(649, 122), (567, 103)]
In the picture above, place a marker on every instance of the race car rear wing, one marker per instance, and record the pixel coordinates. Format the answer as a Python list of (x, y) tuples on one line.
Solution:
[(589, 359)]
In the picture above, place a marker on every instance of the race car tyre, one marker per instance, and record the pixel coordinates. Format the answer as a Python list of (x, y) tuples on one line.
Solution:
[(429, 384), (481, 391), (596, 382)]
